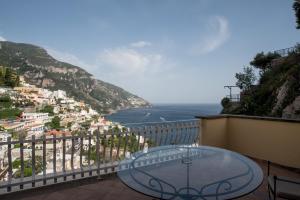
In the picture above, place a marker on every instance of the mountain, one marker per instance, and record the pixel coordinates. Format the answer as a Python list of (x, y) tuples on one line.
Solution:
[(42, 70), (277, 93)]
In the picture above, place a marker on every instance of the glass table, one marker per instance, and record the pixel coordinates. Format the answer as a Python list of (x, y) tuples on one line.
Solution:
[(190, 172)]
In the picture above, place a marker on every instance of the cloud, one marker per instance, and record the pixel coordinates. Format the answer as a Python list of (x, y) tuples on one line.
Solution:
[(219, 33), (116, 62), (140, 44), (127, 61), (2, 38)]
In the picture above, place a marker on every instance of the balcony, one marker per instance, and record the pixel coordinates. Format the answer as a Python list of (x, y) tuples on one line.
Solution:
[(83, 166)]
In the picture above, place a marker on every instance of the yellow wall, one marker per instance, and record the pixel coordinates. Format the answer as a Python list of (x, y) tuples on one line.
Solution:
[(213, 132), (277, 141)]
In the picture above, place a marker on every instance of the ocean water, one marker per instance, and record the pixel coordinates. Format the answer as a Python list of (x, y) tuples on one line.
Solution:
[(164, 112)]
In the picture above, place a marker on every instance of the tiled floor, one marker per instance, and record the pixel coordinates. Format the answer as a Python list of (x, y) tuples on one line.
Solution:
[(111, 188)]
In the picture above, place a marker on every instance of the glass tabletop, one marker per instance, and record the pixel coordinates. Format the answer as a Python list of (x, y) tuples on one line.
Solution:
[(189, 172)]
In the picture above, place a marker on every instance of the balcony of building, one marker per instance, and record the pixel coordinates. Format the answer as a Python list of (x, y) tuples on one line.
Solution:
[(84, 166)]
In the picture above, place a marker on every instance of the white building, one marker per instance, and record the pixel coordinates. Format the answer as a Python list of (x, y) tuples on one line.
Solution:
[(59, 94), (41, 117), (36, 130)]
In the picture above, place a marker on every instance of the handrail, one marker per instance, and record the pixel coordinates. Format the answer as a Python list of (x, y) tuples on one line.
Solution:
[(63, 158)]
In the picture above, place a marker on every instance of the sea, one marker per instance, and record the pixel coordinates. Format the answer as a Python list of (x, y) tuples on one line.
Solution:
[(164, 113)]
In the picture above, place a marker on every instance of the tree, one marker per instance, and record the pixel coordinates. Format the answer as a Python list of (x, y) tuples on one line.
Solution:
[(55, 123), (48, 109), (245, 79), (263, 61), (296, 7), (225, 102)]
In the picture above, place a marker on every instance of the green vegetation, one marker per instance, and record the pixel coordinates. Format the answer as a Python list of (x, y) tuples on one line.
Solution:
[(27, 167), (7, 111), (47, 109), (54, 124), (278, 83), (86, 125), (296, 7), (263, 61), (246, 79), (9, 77), (261, 99)]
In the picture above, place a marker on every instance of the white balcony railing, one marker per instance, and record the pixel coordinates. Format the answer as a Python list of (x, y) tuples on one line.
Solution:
[(43, 161)]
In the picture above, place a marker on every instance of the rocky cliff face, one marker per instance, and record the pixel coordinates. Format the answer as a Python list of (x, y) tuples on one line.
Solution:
[(42, 70), (277, 93)]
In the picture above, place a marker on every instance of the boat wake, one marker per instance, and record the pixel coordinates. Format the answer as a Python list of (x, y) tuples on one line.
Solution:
[(162, 119)]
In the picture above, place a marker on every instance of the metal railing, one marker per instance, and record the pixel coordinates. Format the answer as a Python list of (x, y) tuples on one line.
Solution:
[(234, 97), (286, 51), (48, 160)]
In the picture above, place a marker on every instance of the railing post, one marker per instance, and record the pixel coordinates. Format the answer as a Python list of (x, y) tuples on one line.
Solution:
[(111, 148), (126, 141), (104, 151), (44, 160), (199, 131), (176, 134), (139, 138), (81, 152), (22, 161), (64, 157), (89, 154), (97, 151), (54, 158), (119, 144), (33, 159), (168, 132), (144, 136), (72, 157), (9, 163)]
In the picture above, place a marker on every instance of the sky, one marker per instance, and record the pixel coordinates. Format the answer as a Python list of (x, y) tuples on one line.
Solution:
[(165, 51)]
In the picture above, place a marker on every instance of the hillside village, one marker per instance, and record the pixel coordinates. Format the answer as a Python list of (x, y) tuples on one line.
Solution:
[(30, 113)]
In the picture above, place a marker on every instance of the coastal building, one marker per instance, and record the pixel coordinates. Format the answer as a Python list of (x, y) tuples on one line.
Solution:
[(41, 117), (36, 130), (12, 125)]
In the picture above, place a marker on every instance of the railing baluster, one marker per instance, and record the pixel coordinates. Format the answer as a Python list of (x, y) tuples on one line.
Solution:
[(160, 132), (119, 144), (54, 158), (181, 132), (89, 154), (104, 150), (111, 148), (44, 160), (156, 135), (72, 158), (33, 159), (139, 138), (126, 141), (167, 134), (151, 136), (81, 152), (64, 157), (176, 134), (144, 136), (171, 133), (9, 163), (97, 151), (22, 160), (185, 129)]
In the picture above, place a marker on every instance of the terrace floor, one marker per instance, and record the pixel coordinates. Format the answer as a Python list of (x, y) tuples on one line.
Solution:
[(111, 188)]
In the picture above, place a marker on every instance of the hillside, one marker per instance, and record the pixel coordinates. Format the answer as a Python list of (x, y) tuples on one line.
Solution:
[(277, 92), (42, 70)]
